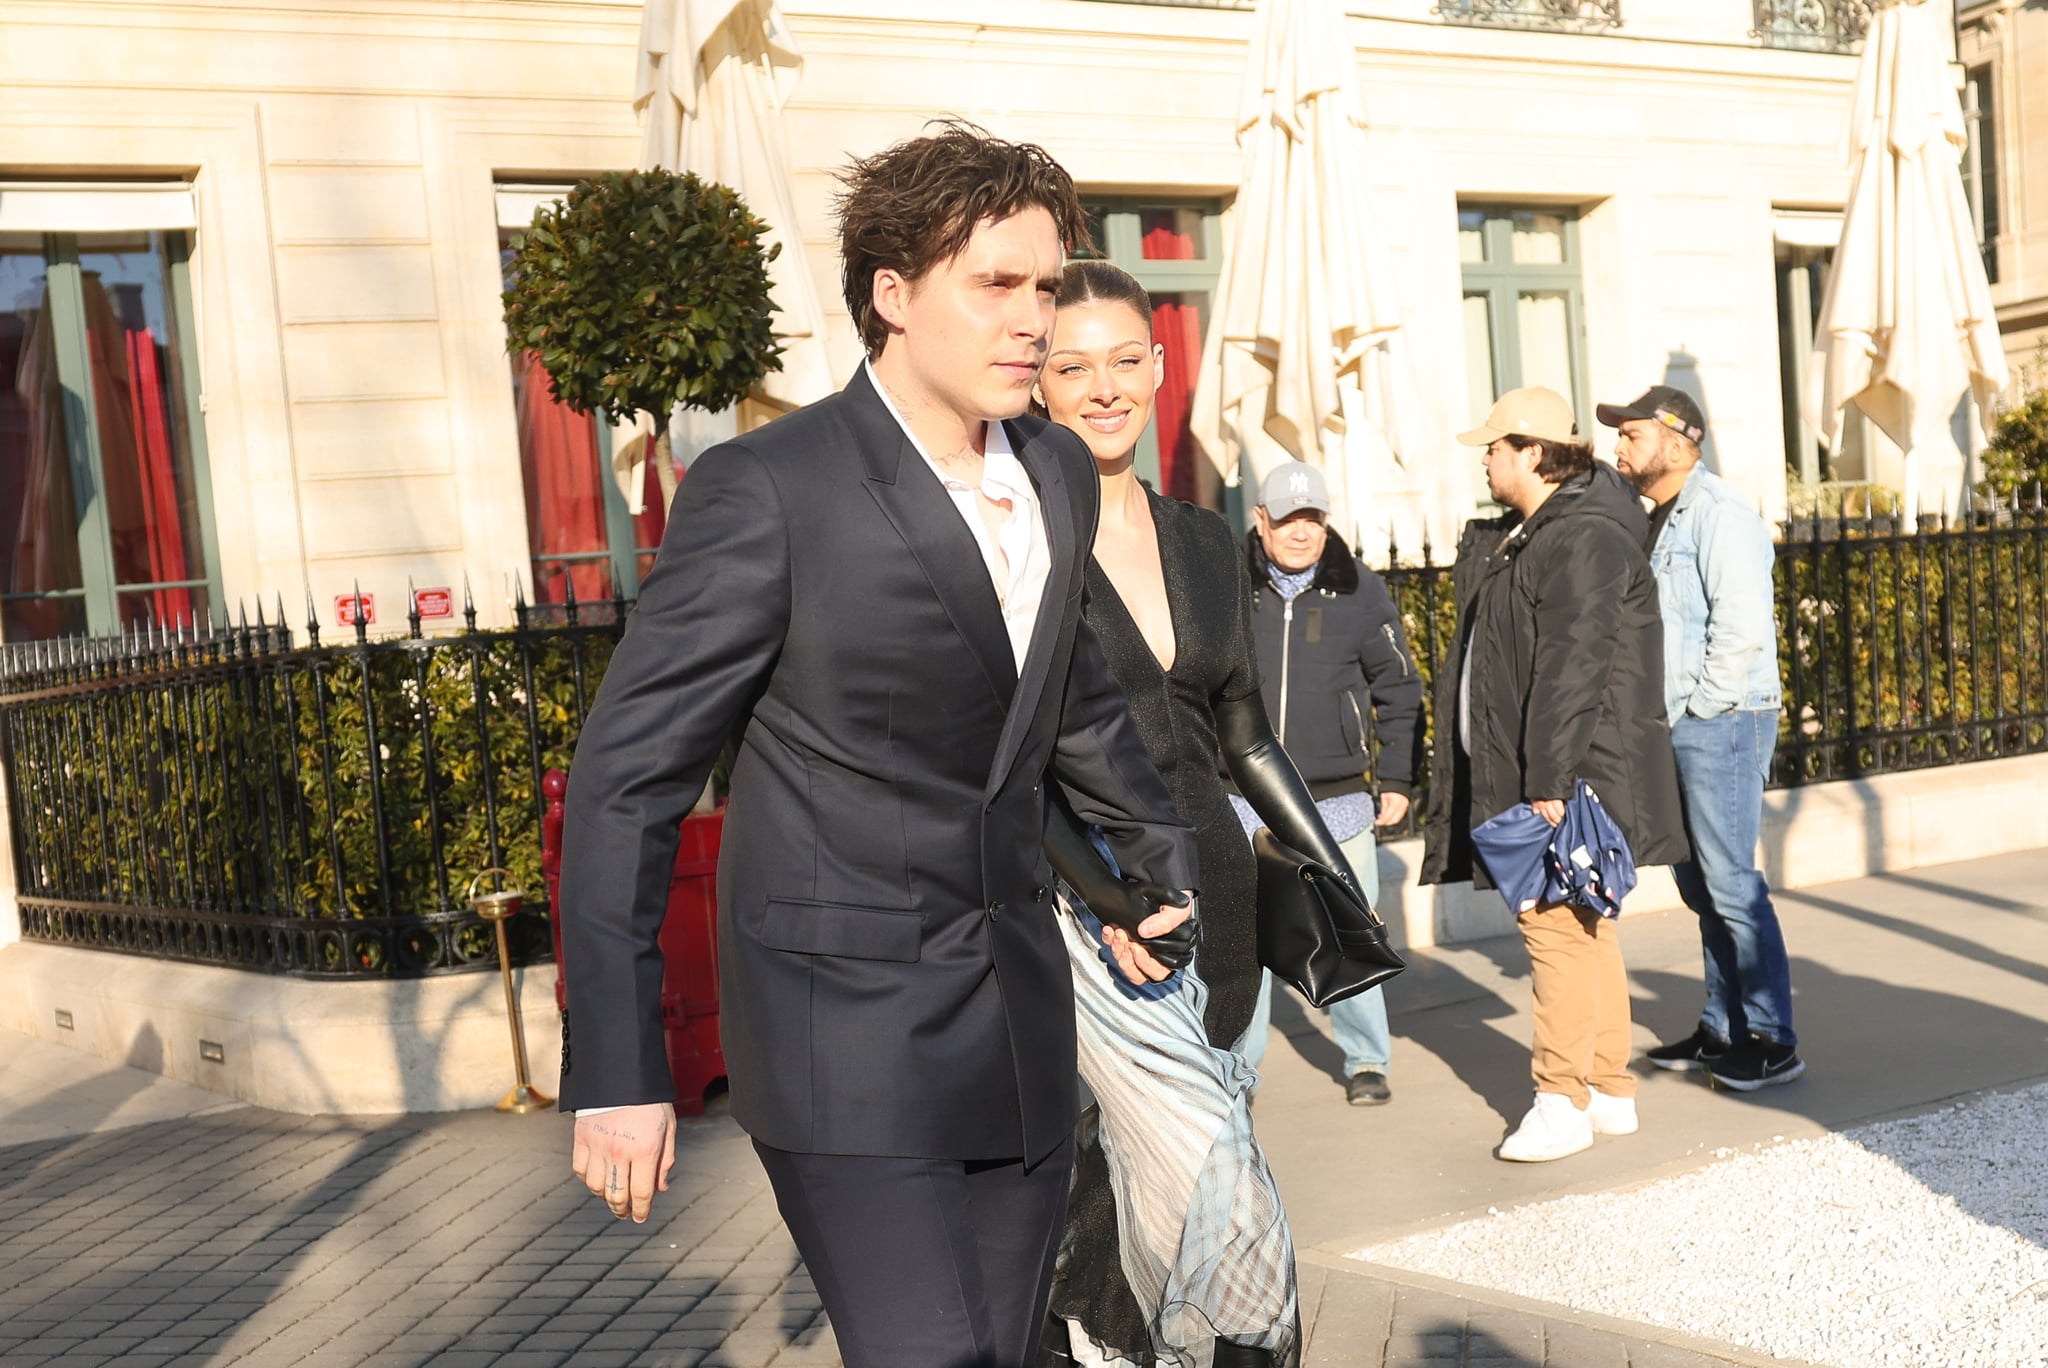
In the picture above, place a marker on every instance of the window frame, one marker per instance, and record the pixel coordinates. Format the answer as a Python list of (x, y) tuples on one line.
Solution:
[(100, 586), (620, 549), (1121, 244), (1502, 281)]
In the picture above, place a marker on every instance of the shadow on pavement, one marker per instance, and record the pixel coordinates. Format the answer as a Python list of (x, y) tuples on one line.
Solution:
[(134, 1243), (1446, 1012), (256, 1237)]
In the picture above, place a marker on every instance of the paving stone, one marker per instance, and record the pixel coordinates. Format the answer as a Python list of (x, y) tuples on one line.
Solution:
[(668, 1358)]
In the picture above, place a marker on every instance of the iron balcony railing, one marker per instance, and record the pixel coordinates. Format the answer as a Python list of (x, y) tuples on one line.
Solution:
[(1564, 16), (223, 796), (1812, 25)]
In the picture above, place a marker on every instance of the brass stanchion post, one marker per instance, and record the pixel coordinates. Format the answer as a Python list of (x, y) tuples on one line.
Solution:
[(497, 908)]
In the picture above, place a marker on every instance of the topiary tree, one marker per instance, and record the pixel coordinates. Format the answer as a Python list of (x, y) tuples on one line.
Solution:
[(644, 290), (2016, 458)]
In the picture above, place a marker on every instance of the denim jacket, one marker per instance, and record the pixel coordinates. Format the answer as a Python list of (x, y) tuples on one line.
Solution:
[(1713, 567)]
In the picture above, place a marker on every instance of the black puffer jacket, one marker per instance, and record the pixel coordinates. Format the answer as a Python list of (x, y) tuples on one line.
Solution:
[(1337, 673), (1567, 650)]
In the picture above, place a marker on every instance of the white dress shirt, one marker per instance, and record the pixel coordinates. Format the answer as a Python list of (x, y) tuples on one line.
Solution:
[(1020, 557), (1018, 560)]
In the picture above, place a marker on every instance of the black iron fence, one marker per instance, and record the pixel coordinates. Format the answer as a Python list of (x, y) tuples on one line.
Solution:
[(231, 797), (222, 795), (1898, 649)]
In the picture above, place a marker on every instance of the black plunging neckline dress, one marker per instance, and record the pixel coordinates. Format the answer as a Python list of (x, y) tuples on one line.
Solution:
[(1214, 661), (1209, 597)]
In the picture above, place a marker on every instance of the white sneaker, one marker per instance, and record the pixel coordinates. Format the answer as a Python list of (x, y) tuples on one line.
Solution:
[(1611, 1115), (1552, 1129)]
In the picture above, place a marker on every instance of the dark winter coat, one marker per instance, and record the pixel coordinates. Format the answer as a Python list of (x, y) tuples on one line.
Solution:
[(1567, 648), (1338, 673)]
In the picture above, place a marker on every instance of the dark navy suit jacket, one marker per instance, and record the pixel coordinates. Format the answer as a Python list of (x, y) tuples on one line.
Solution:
[(893, 982)]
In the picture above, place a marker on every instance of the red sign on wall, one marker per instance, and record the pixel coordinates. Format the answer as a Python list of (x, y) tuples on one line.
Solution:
[(434, 603), (345, 608)]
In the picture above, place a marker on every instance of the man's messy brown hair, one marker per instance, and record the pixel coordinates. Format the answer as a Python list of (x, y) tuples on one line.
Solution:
[(914, 206)]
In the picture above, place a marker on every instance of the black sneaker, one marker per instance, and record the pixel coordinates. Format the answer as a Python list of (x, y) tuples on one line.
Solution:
[(1696, 1051), (1756, 1063), (1367, 1088)]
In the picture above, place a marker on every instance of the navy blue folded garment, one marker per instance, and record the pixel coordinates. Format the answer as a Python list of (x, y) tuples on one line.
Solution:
[(1515, 846), (1584, 860)]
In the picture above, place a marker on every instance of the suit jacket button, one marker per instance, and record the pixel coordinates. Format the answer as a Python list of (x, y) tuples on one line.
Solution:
[(995, 909), (1038, 893)]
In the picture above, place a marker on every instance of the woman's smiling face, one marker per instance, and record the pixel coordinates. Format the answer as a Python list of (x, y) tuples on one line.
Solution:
[(1101, 375)]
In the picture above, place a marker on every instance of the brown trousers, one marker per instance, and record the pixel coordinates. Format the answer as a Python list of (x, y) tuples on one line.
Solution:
[(1581, 1003)]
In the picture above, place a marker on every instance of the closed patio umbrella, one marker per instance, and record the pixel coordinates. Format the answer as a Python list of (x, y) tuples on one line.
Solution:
[(1906, 325), (1304, 357), (711, 82)]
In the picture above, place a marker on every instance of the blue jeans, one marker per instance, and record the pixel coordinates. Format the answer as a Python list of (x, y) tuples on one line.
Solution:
[(1722, 764), (1359, 1023)]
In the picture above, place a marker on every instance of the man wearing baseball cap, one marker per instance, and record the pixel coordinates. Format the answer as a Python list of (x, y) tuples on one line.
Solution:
[(1335, 670), (1556, 675), (1712, 554)]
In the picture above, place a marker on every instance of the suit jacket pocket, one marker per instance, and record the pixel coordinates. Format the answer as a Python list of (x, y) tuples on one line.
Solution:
[(820, 928)]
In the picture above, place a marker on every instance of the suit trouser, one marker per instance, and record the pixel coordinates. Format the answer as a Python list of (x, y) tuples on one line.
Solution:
[(1580, 1003), (926, 1263)]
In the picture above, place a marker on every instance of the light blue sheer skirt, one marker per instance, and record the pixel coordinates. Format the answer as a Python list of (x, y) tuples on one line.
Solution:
[(1205, 1246)]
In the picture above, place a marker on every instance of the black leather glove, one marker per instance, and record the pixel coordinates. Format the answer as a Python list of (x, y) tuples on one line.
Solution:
[(1124, 903), (1271, 784)]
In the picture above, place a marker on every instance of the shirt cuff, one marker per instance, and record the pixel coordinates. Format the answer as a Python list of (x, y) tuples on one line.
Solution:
[(582, 1112)]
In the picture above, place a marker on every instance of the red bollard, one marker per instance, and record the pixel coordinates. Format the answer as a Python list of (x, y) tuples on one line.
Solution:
[(689, 946)]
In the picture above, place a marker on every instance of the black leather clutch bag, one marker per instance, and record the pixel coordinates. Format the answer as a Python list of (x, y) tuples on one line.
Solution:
[(1315, 931)]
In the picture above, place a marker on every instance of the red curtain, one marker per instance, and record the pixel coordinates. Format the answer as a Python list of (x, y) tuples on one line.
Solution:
[(143, 508), (564, 499), (1176, 326), (155, 477)]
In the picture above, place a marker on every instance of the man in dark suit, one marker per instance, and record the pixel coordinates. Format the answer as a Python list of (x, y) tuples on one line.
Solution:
[(881, 594)]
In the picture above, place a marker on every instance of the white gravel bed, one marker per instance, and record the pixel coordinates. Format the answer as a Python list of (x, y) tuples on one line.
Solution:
[(1904, 1244)]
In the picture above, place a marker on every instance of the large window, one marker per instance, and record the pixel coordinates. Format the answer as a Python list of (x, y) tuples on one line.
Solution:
[(1980, 165), (105, 519), (1173, 250), (1524, 304), (1805, 242), (580, 531)]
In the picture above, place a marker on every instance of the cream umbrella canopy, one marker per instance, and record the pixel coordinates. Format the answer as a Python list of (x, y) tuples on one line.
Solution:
[(1305, 356), (1906, 325), (711, 81)]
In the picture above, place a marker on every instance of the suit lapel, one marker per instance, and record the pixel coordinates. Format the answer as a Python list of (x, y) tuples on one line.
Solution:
[(917, 505), (1057, 511)]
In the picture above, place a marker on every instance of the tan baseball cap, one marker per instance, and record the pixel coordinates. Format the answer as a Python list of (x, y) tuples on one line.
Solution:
[(1529, 412)]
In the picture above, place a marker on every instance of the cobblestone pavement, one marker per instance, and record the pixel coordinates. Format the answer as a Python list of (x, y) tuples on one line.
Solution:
[(253, 1238)]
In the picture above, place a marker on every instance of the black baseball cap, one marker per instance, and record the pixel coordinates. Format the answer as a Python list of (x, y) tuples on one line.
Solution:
[(1674, 408)]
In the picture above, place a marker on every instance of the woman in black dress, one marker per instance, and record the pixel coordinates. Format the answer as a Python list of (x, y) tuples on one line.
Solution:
[(1176, 1249)]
